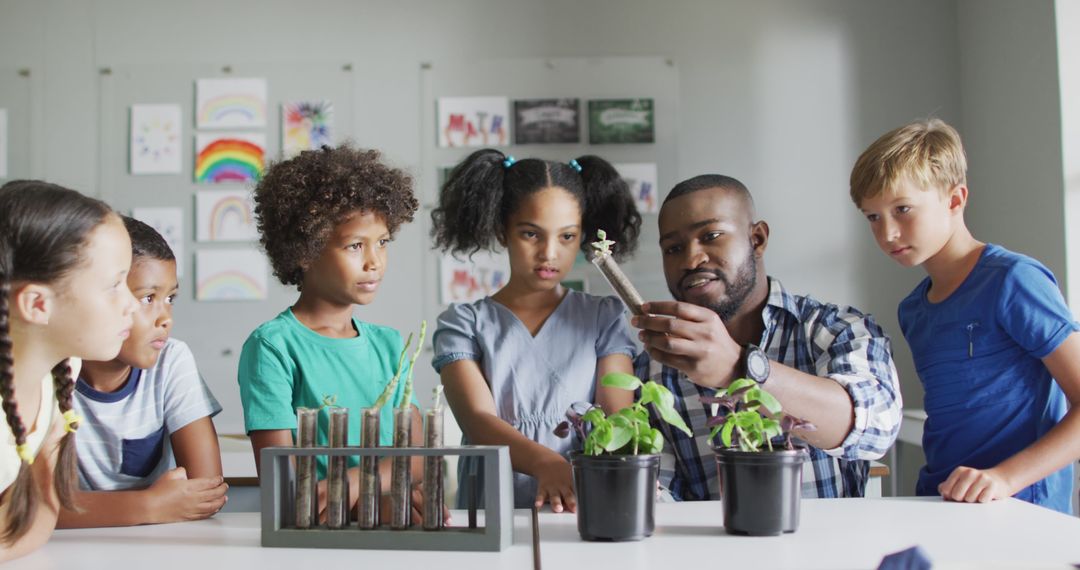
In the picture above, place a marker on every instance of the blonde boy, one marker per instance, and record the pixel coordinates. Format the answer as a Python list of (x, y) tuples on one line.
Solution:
[(994, 344)]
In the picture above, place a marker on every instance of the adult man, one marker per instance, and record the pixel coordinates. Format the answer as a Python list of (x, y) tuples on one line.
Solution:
[(826, 364)]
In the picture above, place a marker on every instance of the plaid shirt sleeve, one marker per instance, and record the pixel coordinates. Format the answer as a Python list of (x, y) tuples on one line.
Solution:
[(854, 351)]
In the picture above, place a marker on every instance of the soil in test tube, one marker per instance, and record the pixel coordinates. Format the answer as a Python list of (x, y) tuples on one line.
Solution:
[(367, 506), (433, 470), (306, 423), (337, 479), (401, 478)]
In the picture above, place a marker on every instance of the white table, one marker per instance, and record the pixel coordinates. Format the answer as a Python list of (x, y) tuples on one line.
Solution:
[(834, 534)]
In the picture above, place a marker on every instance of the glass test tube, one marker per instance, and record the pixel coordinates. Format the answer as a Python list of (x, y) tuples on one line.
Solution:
[(337, 478), (306, 506), (433, 470), (400, 475), (367, 505)]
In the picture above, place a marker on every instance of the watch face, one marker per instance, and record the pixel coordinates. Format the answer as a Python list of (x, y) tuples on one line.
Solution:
[(757, 365)]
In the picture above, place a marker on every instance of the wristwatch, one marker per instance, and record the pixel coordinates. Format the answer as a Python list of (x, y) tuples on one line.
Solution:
[(755, 364)]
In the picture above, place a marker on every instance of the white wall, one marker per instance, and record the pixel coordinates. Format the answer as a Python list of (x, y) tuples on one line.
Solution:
[(1011, 124), (1068, 44)]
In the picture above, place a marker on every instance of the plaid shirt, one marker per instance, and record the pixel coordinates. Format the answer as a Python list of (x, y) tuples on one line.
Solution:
[(820, 339)]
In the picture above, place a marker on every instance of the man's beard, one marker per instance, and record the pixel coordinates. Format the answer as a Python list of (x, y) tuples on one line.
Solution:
[(735, 291)]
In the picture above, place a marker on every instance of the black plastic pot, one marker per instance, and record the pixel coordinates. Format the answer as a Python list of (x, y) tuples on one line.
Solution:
[(615, 495), (760, 491)]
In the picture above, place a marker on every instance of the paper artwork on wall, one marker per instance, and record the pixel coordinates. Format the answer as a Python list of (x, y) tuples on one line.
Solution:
[(641, 178), (621, 121), (230, 103), (547, 121), (169, 222), (469, 279), (3, 144), (305, 125), (230, 275), (229, 157), (473, 121), (155, 139), (225, 215)]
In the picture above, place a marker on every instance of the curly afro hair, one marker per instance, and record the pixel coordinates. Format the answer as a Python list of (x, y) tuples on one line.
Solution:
[(299, 201)]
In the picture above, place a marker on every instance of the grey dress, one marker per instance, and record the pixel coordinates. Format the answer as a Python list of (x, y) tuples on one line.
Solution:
[(533, 379)]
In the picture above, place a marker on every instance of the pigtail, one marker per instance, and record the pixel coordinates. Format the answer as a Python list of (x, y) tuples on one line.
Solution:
[(21, 496), (609, 206), (67, 462), (469, 217)]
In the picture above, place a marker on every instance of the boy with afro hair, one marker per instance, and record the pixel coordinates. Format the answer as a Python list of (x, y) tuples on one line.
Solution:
[(325, 219)]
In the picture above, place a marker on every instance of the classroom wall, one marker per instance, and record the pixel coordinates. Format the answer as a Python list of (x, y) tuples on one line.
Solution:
[(1011, 117), (1068, 49), (781, 94)]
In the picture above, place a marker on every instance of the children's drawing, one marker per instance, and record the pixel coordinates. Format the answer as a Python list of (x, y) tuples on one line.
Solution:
[(230, 103), (305, 125), (169, 222), (230, 275), (473, 121), (621, 121), (224, 215), (641, 178), (469, 279), (538, 121), (155, 139), (229, 157)]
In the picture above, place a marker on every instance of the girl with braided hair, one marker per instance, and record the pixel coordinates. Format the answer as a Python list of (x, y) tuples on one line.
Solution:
[(513, 362), (64, 259)]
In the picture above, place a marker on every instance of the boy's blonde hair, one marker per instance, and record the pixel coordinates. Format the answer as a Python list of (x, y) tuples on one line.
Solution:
[(928, 153)]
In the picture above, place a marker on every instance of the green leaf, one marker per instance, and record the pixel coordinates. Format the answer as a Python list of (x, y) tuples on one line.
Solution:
[(620, 380), (725, 434), (595, 416), (620, 436), (740, 384), (768, 401), (664, 404), (652, 441)]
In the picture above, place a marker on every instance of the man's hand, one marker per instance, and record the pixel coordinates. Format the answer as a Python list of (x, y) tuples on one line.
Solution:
[(691, 339), (177, 498)]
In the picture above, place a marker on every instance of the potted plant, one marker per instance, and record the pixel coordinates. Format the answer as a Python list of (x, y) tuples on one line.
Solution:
[(759, 466), (615, 473)]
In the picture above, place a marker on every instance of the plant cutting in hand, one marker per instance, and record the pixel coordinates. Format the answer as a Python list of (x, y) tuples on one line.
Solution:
[(604, 259), (751, 418)]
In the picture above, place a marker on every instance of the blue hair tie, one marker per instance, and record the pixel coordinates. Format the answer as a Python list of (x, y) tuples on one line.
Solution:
[(574, 164), (510, 160)]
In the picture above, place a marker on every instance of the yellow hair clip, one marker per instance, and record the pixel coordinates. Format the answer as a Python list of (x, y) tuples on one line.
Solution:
[(71, 421), (24, 453)]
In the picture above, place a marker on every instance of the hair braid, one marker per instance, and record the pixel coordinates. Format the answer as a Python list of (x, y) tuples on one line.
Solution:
[(67, 464), (22, 494)]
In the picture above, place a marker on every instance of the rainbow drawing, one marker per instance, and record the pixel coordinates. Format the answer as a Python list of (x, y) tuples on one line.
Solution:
[(230, 275), (224, 215), (229, 157), (230, 103)]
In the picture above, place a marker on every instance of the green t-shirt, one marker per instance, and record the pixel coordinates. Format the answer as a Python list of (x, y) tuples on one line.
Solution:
[(284, 365)]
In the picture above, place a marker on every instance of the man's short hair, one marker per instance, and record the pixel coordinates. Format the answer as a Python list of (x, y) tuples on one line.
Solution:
[(706, 181)]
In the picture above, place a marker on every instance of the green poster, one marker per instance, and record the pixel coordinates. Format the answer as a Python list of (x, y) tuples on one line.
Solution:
[(615, 121)]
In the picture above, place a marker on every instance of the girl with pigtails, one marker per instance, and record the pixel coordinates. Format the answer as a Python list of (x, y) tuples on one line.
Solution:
[(63, 296), (512, 363)]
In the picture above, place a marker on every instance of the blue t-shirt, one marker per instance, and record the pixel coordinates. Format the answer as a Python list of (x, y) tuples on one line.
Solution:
[(979, 356)]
